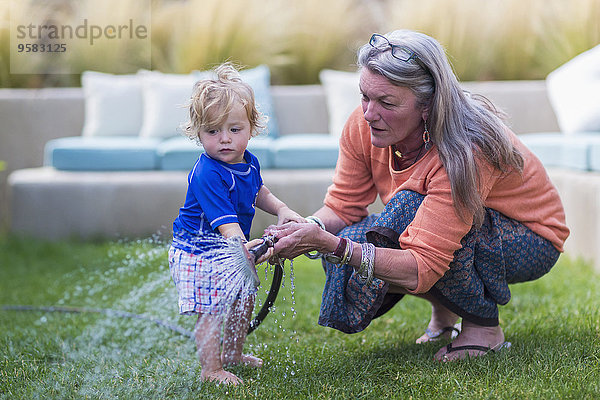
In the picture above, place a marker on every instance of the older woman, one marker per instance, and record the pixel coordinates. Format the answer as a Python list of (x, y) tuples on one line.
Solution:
[(469, 209)]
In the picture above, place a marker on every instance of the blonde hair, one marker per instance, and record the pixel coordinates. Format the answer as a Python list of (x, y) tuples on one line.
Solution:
[(213, 99)]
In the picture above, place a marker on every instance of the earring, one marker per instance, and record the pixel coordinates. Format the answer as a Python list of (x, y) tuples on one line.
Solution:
[(426, 138)]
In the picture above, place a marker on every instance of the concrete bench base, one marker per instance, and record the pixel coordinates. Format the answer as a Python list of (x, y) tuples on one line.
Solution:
[(580, 194), (53, 204)]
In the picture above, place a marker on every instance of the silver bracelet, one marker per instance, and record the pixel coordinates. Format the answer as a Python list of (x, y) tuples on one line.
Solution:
[(347, 253), (316, 220), (367, 263), (313, 255), (362, 268)]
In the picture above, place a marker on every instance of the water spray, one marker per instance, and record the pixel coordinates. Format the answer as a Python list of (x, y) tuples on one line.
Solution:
[(231, 256), (106, 311), (231, 252), (234, 257)]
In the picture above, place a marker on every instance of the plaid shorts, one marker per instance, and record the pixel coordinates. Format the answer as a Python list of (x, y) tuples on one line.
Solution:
[(200, 290)]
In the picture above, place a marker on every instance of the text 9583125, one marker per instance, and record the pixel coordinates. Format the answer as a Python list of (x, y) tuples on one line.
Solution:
[(41, 47)]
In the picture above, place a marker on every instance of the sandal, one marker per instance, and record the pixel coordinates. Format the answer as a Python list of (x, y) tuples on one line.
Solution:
[(484, 349), (437, 335)]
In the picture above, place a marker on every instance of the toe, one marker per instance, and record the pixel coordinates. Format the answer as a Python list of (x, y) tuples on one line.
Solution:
[(441, 354), (251, 361)]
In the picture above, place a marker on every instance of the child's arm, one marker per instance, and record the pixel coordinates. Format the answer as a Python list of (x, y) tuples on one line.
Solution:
[(268, 202), (230, 230), (234, 229)]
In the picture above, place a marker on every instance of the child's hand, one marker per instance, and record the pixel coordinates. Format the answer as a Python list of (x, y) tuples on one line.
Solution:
[(286, 214)]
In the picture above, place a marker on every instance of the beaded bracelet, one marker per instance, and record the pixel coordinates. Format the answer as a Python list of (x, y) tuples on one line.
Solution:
[(363, 264)]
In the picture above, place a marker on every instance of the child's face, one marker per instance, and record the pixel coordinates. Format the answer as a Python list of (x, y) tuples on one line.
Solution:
[(228, 142)]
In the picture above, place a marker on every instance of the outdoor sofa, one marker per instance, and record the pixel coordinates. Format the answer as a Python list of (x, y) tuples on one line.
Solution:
[(107, 159)]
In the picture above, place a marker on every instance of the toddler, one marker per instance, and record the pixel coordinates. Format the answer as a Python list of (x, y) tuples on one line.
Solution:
[(224, 186)]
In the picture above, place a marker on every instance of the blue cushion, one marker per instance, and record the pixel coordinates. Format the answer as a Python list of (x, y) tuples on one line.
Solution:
[(580, 151), (305, 151), (593, 139), (546, 146), (180, 153), (576, 151), (103, 153), (261, 146), (575, 154)]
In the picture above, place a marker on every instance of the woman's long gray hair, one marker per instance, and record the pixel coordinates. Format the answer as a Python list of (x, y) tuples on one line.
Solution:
[(463, 127)]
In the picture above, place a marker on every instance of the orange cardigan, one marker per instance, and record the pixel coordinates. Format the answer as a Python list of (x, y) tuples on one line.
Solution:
[(364, 171)]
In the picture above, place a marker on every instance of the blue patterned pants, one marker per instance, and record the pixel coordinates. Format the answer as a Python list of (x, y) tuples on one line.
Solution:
[(500, 252)]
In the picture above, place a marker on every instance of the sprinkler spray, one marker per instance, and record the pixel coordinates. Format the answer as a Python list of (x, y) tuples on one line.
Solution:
[(231, 251), (233, 257)]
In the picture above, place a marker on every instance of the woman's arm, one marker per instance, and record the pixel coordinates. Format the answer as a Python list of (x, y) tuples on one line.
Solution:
[(333, 223), (394, 266), (397, 267)]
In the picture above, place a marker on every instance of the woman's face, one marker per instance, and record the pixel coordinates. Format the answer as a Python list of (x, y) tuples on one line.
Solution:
[(391, 111)]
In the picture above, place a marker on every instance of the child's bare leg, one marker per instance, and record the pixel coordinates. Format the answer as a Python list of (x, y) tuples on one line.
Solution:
[(208, 342), (236, 329)]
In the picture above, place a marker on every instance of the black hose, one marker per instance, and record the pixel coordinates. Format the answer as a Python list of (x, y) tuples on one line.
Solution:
[(257, 251), (273, 291)]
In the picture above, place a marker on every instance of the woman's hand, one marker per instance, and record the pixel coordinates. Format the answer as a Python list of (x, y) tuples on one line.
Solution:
[(294, 239)]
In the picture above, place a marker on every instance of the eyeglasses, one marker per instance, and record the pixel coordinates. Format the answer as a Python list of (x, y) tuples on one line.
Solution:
[(401, 53)]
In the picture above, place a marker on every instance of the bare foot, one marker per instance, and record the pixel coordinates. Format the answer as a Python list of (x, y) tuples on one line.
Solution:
[(472, 334), (441, 318), (220, 376), (245, 359)]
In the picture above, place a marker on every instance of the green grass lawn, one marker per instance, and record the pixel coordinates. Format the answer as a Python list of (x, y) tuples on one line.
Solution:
[(553, 324)]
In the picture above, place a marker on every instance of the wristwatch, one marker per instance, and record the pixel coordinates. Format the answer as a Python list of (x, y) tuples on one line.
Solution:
[(338, 255)]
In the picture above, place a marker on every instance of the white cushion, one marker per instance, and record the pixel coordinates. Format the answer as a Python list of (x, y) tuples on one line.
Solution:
[(342, 96), (166, 99), (165, 102), (259, 79), (573, 90), (113, 104)]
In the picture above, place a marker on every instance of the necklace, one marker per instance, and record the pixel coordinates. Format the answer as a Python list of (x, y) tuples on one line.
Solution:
[(400, 156)]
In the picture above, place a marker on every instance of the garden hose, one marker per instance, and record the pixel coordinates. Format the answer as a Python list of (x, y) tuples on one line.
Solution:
[(273, 291)]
